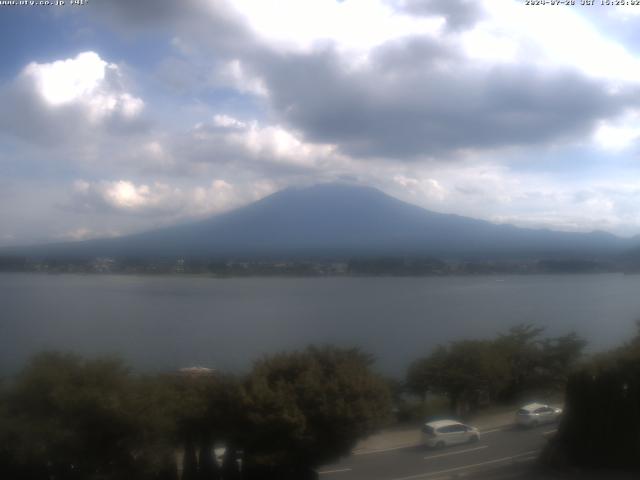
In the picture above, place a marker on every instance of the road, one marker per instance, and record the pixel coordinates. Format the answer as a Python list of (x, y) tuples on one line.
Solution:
[(506, 453)]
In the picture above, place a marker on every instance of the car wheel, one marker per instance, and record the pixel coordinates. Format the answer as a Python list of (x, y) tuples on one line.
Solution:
[(440, 445), (473, 439), (534, 424)]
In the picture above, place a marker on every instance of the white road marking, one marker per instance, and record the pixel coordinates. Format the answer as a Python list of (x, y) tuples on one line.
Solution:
[(339, 470), (493, 430), (415, 444), (465, 467), (526, 459), (390, 449), (456, 452)]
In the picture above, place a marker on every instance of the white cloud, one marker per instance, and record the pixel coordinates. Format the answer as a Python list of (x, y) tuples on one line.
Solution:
[(481, 43), (220, 196), (315, 82), (87, 80), (149, 156), (84, 233), (507, 32), (624, 12), (427, 189), (234, 73), (618, 134), (125, 196), (227, 138), (75, 101), (164, 201), (549, 37), (63, 81), (615, 137), (226, 121), (491, 191), (353, 25)]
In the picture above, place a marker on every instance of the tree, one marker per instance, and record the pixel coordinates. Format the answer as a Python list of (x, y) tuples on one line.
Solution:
[(189, 461), (72, 418), (422, 375), (536, 363), (470, 372), (208, 468), (601, 422), (307, 408), (230, 468), (558, 358), (69, 418), (201, 409), (521, 347)]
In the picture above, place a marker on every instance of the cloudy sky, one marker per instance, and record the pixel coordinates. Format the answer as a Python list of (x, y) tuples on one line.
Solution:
[(120, 116)]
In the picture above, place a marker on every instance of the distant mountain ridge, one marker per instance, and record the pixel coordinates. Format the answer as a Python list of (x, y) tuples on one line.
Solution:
[(335, 220)]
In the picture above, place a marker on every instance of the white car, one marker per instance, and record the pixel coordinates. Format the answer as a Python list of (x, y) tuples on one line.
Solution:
[(441, 433), (536, 414)]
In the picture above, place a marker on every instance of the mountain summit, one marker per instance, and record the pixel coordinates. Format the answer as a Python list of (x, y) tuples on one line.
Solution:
[(340, 220)]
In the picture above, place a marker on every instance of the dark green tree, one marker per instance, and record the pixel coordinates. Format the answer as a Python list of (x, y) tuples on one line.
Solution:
[(206, 409), (472, 373), (559, 356), (521, 346), (208, 468), (230, 467), (189, 461), (601, 422), (424, 374), (73, 418), (307, 408)]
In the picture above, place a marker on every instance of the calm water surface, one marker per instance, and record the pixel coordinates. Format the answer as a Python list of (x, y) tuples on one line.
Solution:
[(169, 322)]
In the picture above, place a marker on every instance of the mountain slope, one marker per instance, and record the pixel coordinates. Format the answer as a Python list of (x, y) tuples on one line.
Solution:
[(340, 220)]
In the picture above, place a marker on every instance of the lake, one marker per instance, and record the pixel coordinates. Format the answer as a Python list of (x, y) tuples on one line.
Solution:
[(159, 323)]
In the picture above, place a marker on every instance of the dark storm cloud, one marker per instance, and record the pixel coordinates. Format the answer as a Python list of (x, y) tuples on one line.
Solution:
[(459, 14), (418, 97)]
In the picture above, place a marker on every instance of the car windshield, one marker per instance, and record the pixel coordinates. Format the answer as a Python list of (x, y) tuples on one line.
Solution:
[(428, 430)]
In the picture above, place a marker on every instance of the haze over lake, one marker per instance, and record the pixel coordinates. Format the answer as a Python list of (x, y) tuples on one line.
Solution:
[(170, 322)]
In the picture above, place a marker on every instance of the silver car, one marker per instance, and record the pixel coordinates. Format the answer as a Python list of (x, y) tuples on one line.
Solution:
[(535, 414), (441, 433)]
